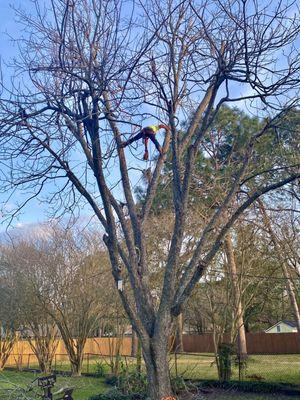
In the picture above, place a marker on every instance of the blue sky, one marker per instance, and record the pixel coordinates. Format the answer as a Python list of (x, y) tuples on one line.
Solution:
[(9, 26), (33, 212)]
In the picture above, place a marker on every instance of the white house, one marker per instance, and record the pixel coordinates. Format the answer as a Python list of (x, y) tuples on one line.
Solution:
[(283, 326)]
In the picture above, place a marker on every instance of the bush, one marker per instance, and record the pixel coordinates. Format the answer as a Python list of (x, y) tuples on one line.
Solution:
[(111, 379), (132, 382), (128, 386), (224, 357), (100, 369), (178, 383)]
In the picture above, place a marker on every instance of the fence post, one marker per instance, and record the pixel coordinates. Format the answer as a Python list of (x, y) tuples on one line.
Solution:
[(88, 362), (55, 362)]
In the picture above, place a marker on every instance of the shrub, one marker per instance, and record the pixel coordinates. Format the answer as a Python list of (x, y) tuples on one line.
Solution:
[(178, 383), (132, 382), (224, 361), (128, 386), (100, 369), (111, 379)]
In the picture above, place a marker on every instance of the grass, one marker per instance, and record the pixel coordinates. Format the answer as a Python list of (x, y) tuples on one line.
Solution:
[(13, 383), (268, 368), (90, 364)]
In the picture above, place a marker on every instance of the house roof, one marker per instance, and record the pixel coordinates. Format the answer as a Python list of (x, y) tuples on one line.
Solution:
[(292, 324)]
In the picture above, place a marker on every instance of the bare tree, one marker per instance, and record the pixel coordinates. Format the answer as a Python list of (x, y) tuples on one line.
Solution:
[(95, 69), (8, 338), (59, 280), (283, 261), (34, 324), (9, 314), (43, 339)]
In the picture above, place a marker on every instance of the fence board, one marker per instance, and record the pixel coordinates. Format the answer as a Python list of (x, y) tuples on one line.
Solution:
[(257, 343)]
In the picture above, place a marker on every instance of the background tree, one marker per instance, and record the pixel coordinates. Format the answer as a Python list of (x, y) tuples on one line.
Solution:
[(280, 250), (64, 278), (34, 324), (9, 314)]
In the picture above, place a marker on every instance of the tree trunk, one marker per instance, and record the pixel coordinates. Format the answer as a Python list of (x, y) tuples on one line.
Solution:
[(178, 334), (74, 348), (241, 335), (76, 367), (134, 344), (76, 360), (6, 346), (157, 366), (139, 358), (45, 365), (44, 350), (291, 292)]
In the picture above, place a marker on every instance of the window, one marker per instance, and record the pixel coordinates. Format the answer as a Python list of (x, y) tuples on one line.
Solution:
[(278, 328)]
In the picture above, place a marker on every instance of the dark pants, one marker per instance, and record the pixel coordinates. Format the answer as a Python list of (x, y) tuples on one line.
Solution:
[(145, 134)]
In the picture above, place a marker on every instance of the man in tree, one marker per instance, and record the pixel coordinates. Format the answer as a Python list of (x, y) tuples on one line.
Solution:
[(147, 133)]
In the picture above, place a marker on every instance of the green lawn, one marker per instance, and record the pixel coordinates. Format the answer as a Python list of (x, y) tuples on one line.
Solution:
[(91, 364), (267, 368), (13, 383)]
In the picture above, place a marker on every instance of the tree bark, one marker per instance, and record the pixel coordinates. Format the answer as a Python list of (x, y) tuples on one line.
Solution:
[(241, 335), (75, 353), (178, 334), (157, 366), (76, 368), (44, 346), (139, 358), (6, 345), (242, 342), (291, 292), (45, 364), (134, 343)]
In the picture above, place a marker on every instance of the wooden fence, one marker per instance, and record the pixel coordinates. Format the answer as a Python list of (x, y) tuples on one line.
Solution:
[(102, 346), (257, 343)]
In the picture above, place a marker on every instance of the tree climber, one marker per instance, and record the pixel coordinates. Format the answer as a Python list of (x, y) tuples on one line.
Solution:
[(147, 133)]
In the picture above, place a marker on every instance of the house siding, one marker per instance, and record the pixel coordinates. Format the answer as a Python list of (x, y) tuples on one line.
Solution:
[(284, 328)]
